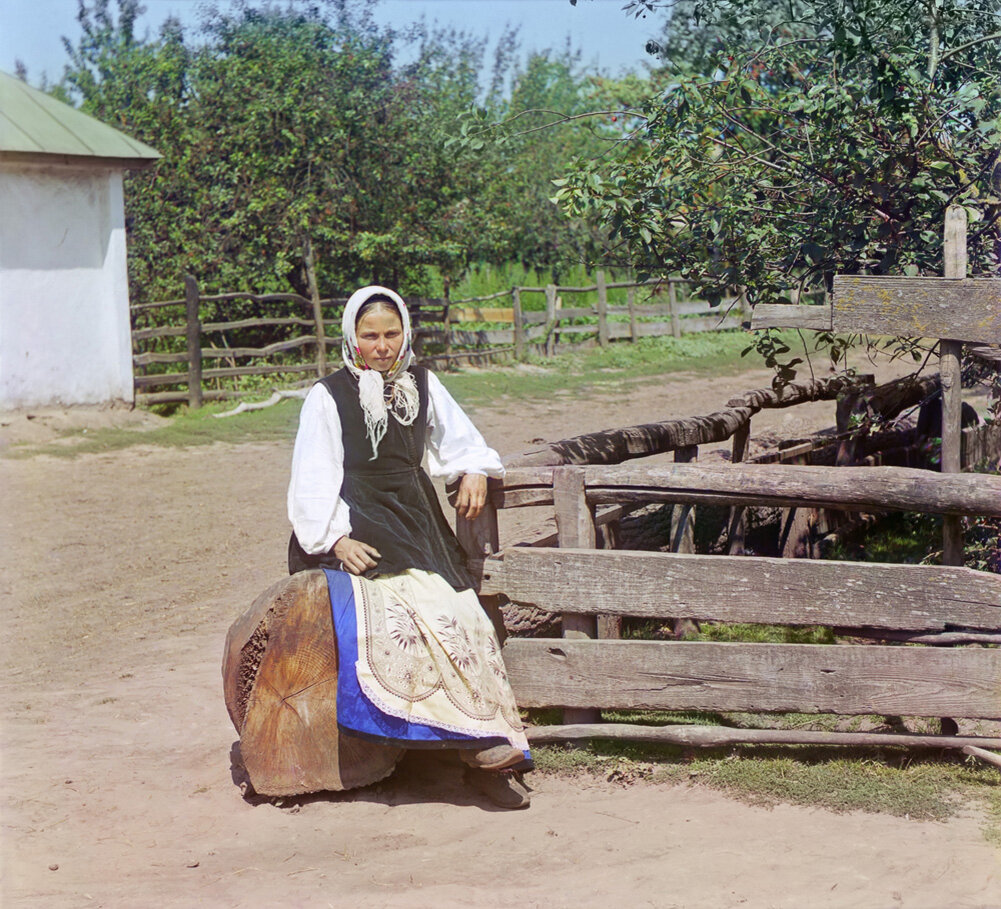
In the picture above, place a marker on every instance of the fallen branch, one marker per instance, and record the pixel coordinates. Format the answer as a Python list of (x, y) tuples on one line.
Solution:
[(276, 396), (716, 736), (987, 756)]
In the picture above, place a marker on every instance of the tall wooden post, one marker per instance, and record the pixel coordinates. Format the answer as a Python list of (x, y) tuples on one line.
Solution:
[(737, 524), (194, 340), (550, 319), (672, 299), (602, 309), (950, 353), (446, 318), (683, 533), (576, 530), (314, 294), (631, 303), (519, 324), (480, 538)]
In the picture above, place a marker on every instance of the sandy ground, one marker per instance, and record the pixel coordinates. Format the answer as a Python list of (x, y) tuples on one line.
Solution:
[(120, 574)]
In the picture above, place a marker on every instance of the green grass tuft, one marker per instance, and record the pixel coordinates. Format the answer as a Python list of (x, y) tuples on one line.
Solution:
[(838, 780)]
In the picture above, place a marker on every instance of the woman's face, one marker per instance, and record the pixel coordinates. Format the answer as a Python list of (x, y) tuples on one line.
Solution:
[(380, 336)]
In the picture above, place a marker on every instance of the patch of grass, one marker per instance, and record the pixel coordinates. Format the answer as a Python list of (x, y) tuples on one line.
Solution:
[(187, 428), (835, 779), (599, 371)]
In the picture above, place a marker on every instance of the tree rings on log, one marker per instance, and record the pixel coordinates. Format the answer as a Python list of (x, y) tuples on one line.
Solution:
[(280, 683)]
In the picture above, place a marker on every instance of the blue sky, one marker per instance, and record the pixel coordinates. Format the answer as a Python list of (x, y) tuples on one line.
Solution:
[(610, 39)]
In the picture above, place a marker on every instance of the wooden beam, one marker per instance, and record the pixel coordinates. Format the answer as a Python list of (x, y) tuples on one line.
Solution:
[(805, 678), (576, 528), (787, 315), (602, 309), (851, 488), (986, 756), (613, 446), (756, 589), (963, 309), (194, 341), (718, 736), (780, 485), (950, 356)]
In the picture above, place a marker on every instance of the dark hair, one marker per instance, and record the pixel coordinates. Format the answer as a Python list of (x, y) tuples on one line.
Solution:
[(377, 301)]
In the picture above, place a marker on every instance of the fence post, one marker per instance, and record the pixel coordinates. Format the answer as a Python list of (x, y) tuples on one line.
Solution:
[(602, 309), (672, 299), (314, 293), (631, 303), (446, 318), (737, 524), (480, 538), (194, 340), (683, 533), (950, 352), (519, 324), (550, 319), (575, 530)]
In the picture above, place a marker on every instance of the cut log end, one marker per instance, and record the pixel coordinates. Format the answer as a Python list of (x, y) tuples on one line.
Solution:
[(280, 685)]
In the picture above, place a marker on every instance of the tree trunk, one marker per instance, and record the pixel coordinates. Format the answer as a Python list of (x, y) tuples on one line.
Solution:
[(280, 682)]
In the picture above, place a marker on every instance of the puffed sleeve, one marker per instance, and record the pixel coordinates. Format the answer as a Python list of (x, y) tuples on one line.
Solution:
[(455, 446), (319, 516)]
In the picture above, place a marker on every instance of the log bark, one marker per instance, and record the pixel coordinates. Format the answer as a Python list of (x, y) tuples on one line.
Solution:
[(280, 684), (612, 446)]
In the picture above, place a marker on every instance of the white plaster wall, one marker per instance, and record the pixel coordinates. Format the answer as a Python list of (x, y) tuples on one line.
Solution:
[(64, 306)]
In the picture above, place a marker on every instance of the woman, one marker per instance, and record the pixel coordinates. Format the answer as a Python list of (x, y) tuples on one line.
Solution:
[(419, 662)]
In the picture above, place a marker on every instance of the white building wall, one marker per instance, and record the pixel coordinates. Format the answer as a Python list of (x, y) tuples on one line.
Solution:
[(64, 307)]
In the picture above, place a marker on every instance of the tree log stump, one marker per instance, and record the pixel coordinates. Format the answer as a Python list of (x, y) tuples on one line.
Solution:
[(280, 682)]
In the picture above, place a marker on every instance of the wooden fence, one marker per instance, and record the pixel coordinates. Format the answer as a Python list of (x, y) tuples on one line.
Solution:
[(592, 589), (162, 364), (933, 608)]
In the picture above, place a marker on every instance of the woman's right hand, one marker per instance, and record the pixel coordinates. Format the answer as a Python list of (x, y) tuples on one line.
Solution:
[(355, 556)]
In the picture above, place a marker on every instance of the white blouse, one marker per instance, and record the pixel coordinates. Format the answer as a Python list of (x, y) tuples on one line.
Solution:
[(319, 516)]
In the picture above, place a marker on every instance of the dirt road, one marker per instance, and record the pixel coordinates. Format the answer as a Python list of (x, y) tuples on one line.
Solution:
[(119, 576)]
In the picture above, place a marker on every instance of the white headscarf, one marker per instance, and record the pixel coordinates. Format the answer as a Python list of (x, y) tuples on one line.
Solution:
[(373, 386)]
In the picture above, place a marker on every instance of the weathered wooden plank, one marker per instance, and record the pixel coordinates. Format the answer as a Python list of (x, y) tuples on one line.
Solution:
[(806, 678), (754, 589), (950, 354), (851, 488), (574, 517), (982, 445), (788, 315), (717, 736), (963, 309), (575, 527), (848, 488)]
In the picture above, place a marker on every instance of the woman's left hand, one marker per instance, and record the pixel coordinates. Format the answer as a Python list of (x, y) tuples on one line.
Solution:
[(472, 496)]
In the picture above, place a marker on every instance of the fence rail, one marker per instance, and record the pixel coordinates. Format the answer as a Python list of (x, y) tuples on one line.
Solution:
[(444, 331)]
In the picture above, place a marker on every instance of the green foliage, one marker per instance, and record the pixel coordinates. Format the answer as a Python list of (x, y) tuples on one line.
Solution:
[(306, 137), (789, 143)]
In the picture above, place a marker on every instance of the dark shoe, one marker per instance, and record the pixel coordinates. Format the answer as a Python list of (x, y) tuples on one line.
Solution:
[(500, 757), (505, 790)]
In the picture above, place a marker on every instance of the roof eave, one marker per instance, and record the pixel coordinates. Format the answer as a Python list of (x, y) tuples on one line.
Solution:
[(95, 161)]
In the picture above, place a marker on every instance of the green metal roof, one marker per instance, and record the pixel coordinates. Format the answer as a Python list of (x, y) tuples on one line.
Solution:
[(34, 124)]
